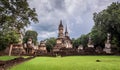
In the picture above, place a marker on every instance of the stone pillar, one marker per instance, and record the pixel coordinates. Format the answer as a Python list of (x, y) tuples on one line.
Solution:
[(80, 47), (107, 48), (29, 46), (90, 44)]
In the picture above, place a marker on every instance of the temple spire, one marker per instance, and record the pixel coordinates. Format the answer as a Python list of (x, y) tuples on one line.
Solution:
[(66, 29), (66, 32), (61, 25), (60, 29)]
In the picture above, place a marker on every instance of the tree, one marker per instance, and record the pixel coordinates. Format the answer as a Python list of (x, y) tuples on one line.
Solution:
[(98, 37), (82, 40), (14, 15), (50, 43), (108, 21), (76, 42), (30, 34), (7, 38)]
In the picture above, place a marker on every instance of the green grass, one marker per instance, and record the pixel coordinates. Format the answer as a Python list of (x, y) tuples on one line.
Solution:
[(4, 58), (71, 63)]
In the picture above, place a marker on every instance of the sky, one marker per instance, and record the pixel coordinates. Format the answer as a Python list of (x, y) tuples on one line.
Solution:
[(77, 15)]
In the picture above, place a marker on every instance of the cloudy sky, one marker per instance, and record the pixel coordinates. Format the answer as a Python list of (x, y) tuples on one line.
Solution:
[(76, 14)]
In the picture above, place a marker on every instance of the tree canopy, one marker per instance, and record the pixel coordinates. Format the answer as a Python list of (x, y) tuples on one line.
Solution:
[(50, 43), (15, 15), (82, 40), (108, 21), (8, 37)]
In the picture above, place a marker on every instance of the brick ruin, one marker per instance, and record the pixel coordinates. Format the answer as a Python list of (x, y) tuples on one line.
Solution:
[(63, 46)]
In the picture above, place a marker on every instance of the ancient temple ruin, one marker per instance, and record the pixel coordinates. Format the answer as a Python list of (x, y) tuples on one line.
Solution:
[(29, 46), (90, 43), (63, 40), (16, 48), (42, 48)]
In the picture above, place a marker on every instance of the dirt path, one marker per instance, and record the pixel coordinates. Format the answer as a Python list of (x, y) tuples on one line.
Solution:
[(4, 65)]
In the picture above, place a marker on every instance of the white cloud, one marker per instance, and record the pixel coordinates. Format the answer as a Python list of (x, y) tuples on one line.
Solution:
[(77, 14), (44, 35)]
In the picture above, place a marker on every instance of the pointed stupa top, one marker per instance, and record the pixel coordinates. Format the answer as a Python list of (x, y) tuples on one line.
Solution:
[(66, 29), (61, 25), (66, 32)]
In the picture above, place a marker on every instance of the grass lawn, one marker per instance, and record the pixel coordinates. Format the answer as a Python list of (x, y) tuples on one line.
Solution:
[(4, 58), (71, 63)]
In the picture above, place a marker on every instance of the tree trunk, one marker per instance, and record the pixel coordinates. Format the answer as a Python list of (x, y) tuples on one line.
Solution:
[(10, 49)]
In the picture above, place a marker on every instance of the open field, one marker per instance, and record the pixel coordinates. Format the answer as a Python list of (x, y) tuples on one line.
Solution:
[(71, 63)]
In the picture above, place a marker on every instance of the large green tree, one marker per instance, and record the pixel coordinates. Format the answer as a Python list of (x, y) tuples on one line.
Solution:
[(108, 21), (7, 38), (98, 37), (15, 15)]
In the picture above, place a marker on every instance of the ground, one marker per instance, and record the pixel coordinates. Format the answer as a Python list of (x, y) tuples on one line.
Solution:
[(71, 63), (4, 58)]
